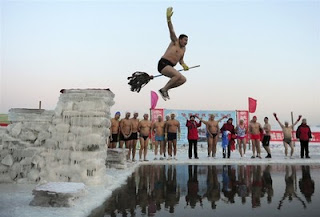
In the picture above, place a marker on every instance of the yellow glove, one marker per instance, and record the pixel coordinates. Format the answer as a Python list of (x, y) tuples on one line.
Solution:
[(185, 67), (169, 13)]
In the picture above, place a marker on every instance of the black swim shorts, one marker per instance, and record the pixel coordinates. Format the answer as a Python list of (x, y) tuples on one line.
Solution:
[(163, 63), (266, 140), (172, 136), (114, 137)]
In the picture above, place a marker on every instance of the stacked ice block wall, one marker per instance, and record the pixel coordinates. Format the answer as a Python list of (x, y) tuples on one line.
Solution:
[(68, 144)]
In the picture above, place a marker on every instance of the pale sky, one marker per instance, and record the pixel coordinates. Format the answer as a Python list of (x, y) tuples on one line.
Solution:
[(268, 50)]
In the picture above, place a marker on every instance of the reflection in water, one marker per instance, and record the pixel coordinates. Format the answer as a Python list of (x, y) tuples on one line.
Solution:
[(290, 190), (193, 187), (159, 189), (306, 184)]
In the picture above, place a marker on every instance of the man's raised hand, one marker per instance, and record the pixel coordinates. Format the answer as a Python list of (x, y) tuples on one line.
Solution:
[(275, 115), (169, 13), (299, 118)]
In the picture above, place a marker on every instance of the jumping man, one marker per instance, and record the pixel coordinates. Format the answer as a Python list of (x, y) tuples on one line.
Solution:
[(171, 57)]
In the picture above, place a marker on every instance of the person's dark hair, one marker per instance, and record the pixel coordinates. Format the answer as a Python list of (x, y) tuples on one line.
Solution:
[(182, 36), (266, 118)]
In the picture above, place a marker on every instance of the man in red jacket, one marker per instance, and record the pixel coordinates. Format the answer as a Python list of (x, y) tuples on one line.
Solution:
[(193, 136), (304, 135)]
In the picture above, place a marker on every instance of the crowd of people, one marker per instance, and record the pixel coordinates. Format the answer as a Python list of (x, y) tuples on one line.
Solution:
[(128, 131)]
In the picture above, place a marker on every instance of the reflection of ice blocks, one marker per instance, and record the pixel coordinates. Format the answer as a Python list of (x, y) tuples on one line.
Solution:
[(68, 144)]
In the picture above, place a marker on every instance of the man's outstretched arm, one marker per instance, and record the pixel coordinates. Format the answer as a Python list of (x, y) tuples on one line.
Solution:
[(173, 36)]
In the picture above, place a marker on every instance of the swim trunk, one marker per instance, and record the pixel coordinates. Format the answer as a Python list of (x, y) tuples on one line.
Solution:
[(287, 140), (124, 139), (255, 136), (241, 137), (134, 136), (172, 136), (144, 137), (213, 135), (266, 140), (163, 63), (114, 137), (159, 138)]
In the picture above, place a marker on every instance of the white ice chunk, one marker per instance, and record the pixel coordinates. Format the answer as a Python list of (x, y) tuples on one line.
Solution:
[(8, 160)]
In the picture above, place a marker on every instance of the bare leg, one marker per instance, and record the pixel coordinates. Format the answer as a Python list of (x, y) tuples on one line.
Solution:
[(292, 148), (129, 146), (161, 148), (257, 142), (240, 147), (285, 148), (156, 148), (244, 145), (214, 146), (175, 147), (134, 145), (121, 144), (146, 143), (170, 148), (176, 80), (141, 147), (253, 148), (165, 147), (210, 140)]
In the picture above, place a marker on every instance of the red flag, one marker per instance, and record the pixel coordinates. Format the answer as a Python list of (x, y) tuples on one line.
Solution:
[(252, 105), (154, 99)]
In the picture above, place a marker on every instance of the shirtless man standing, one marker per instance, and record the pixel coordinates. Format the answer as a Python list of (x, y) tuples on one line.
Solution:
[(134, 135), (125, 130), (173, 55), (165, 138), (115, 125), (266, 136), (255, 130), (144, 128), (287, 135), (172, 128), (158, 129), (213, 131)]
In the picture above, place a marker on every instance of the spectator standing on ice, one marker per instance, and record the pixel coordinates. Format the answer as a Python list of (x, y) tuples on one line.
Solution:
[(134, 135), (193, 136), (144, 129), (287, 135), (165, 138), (115, 126), (228, 128), (255, 130), (172, 133), (241, 132), (158, 129), (212, 127), (125, 131), (266, 137), (304, 135)]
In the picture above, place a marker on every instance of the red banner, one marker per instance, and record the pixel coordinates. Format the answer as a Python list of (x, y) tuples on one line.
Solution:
[(277, 136), (252, 105)]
